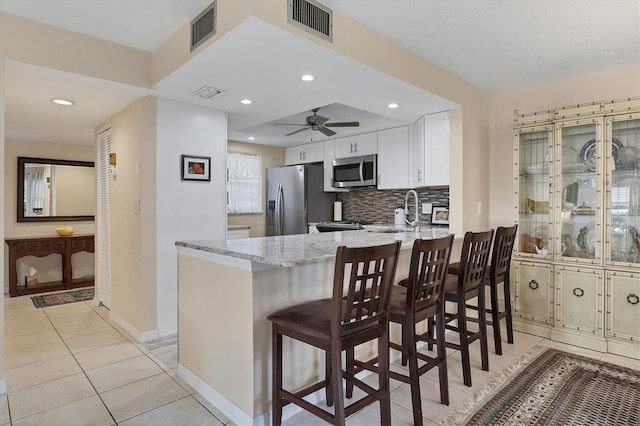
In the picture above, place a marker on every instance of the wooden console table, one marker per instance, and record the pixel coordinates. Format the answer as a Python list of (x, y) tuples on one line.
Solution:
[(44, 246)]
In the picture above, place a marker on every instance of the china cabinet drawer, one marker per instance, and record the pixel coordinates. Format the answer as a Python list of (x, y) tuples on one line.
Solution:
[(534, 292), (580, 299)]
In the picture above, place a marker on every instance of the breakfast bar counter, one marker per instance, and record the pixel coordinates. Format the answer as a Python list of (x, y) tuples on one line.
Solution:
[(226, 289)]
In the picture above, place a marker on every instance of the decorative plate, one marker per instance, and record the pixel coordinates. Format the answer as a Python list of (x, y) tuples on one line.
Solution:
[(588, 153)]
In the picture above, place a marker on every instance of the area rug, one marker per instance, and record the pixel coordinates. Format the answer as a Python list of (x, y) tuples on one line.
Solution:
[(557, 388), (62, 298)]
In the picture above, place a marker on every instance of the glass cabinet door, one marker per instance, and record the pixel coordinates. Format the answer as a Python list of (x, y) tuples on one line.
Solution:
[(622, 215), (533, 188), (579, 169)]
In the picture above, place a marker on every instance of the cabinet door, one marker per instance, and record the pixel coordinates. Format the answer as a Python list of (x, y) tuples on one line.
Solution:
[(430, 150), (578, 182), (534, 292), (437, 149), (417, 152), (393, 158), (622, 195), (623, 305), (353, 146), (533, 195), (580, 299), (301, 154)]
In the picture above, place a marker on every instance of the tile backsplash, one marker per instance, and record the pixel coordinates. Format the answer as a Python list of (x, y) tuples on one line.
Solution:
[(373, 205)]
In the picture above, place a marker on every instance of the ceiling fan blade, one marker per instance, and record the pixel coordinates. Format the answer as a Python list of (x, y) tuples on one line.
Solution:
[(289, 124), (297, 131), (344, 124), (327, 132)]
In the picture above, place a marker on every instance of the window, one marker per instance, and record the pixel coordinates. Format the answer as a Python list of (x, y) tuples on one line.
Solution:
[(244, 185)]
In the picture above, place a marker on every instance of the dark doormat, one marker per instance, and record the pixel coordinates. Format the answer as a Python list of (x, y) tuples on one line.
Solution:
[(62, 298)]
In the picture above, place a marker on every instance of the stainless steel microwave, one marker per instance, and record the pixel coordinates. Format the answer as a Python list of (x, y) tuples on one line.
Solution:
[(355, 171)]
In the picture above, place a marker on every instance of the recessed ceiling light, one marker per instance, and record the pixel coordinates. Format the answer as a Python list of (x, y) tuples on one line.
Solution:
[(307, 77), (64, 102), (247, 101), (251, 138), (392, 105)]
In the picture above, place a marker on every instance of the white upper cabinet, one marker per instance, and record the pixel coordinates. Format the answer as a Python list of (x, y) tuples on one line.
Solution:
[(353, 146), (301, 154), (393, 158), (430, 150)]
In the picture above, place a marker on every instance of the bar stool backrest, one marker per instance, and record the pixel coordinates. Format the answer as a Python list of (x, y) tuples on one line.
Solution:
[(474, 259), (371, 271), (502, 250), (428, 269)]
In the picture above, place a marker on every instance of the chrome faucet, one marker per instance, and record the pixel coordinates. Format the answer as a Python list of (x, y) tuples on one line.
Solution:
[(416, 222)]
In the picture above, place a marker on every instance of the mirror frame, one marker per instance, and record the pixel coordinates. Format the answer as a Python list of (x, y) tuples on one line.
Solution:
[(20, 196)]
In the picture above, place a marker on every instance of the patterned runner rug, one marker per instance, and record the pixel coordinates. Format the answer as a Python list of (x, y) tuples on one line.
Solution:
[(62, 298), (558, 388)]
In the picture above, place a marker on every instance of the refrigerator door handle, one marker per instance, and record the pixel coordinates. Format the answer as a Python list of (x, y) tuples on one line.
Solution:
[(361, 169), (277, 210), (281, 214)]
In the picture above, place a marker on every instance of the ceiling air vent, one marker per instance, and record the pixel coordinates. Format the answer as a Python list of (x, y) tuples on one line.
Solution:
[(207, 92), (312, 17), (203, 26)]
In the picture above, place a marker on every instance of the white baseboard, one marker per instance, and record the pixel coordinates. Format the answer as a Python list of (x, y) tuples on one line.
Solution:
[(141, 337)]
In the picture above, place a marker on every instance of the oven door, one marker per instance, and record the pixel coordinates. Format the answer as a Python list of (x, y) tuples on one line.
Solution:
[(355, 171)]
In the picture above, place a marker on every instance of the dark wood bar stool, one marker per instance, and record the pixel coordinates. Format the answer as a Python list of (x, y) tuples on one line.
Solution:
[(352, 317), (420, 297), (498, 272), (469, 284)]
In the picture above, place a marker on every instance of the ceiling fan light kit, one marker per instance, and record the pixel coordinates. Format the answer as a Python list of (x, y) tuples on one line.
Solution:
[(320, 124)]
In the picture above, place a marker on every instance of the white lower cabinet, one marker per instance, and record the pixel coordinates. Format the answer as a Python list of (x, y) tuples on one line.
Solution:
[(533, 297), (623, 313), (580, 307)]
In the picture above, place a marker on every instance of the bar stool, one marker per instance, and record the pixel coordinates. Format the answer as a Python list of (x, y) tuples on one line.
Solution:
[(498, 272), (341, 323), (418, 298), (466, 285)]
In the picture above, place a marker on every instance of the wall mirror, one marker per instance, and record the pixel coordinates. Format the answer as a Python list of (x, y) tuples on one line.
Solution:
[(51, 190)]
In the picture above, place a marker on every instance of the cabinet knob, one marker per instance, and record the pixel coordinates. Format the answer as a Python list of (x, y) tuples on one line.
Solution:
[(633, 298), (533, 284), (578, 292)]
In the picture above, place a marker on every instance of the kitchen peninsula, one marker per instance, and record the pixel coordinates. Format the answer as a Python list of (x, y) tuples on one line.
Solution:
[(226, 289)]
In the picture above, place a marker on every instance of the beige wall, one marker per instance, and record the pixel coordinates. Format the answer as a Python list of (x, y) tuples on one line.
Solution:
[(270, 156), (131, 299), (614, 83), (75, 190), (15, 148)]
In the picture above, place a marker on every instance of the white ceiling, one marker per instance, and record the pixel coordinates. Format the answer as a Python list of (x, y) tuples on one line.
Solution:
[(493, 44)]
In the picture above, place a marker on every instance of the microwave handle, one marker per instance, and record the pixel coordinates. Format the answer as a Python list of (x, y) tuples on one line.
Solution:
[(361, 169)]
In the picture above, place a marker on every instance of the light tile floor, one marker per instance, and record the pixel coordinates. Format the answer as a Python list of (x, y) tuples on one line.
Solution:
[(71, 365)]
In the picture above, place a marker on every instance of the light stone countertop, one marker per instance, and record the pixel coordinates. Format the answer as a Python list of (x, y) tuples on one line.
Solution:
[(301, 249)]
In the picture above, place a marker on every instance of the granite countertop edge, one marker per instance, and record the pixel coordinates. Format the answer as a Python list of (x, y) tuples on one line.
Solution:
[(302, 249)]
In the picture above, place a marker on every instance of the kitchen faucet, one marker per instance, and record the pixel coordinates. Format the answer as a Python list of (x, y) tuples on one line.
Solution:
[(416, 221)]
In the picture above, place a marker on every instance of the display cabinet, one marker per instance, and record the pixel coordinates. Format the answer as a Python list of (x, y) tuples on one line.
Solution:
[(577, 205)]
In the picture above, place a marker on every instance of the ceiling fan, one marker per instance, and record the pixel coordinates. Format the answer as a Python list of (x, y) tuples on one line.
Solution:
[(319, 123)]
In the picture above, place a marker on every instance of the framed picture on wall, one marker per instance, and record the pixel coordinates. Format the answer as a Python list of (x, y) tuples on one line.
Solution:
[(440, 216), (195, 168)]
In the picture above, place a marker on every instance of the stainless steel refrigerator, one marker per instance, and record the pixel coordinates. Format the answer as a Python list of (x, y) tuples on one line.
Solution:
[(296, 197)]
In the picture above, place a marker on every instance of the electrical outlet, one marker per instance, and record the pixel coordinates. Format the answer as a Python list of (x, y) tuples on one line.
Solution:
[(136, 206), (427, 208)]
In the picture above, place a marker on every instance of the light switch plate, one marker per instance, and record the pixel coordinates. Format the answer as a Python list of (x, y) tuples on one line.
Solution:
[(136, 206), (427, 208)]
